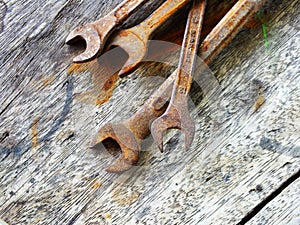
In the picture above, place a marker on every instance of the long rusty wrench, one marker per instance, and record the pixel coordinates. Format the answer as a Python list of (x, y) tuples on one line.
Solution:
[(96, 33), (177, 114), (134, 40), (130, 133)]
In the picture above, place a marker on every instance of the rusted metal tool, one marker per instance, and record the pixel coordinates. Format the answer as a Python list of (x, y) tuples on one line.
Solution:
[(134, 40), (177, 114), (130, 133), (95, 34), (223, 33)]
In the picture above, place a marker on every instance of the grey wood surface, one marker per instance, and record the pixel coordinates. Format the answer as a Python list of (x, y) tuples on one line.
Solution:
[(284, 209), (246, 145)]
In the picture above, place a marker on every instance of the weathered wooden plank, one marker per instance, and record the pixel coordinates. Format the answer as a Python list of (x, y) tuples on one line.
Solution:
[(284, 209), (48, 118)]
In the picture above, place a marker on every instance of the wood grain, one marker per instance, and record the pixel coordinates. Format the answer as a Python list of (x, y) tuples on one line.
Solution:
[(284, 209), (48, 175)]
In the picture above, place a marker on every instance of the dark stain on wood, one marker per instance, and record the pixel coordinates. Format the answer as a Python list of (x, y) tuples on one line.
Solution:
[(65, 111)]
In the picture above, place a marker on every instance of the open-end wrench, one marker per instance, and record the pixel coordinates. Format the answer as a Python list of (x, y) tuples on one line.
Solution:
[(96, 33), (134, 40), (177, 114), (130, 133)]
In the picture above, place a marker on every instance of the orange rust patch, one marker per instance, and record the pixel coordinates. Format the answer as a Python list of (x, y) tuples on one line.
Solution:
[(48, 81), (110, 82), (42, 82), (253, 23), (123, 33), (128, 199), (215, 12), (80, 67), (107, 216), (103, 80), (34, 133), (259, 101), (97, 185), (205, 45), (107, 90), (257, 21)]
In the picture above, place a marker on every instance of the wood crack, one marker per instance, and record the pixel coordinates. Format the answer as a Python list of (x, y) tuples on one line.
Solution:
[(269, 198)]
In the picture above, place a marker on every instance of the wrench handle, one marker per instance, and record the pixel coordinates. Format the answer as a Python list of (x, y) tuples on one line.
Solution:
[(189, 49), (154, 107), (125, 9), (108, 23), (228, 27), (159, 16)]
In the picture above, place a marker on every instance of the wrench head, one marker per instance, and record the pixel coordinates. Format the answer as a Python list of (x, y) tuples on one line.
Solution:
[(175, 117), (129, 146), (89, 34), (133, 45)]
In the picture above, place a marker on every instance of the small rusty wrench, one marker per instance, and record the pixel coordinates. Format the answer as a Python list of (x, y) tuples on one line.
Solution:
[(134, 40), (177, 114), (130, 133), (95, 34)]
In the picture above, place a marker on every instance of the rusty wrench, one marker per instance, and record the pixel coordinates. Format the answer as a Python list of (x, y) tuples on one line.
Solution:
[(130, 133), (96, 33), (134, 40), (177, 114)]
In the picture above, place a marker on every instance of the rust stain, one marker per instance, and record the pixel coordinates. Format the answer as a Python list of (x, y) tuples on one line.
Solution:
[(205, 45), (97, 185), (260, 100), (48, 81), (79, 67), (128, 199), (259, 19), (107, 90), (108, 216), (34, 132), (103, 80), (42, 82), (123, 33), (253, 23), (125, 197)]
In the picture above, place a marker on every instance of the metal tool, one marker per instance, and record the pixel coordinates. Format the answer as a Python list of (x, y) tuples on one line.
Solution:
[(134, 40), (95, 34), (223, 33), (177, 114), (129, 134)]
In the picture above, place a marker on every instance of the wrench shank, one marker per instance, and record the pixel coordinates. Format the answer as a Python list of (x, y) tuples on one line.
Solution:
[(155, 105), (177, 114), (189, 50), (158, 17), (126, 8), (228, 27), (108, 23)]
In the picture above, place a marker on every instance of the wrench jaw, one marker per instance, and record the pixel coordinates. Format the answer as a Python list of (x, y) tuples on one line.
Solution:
[(89, 34), (133, 46), (174, 117), (129, 146)]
